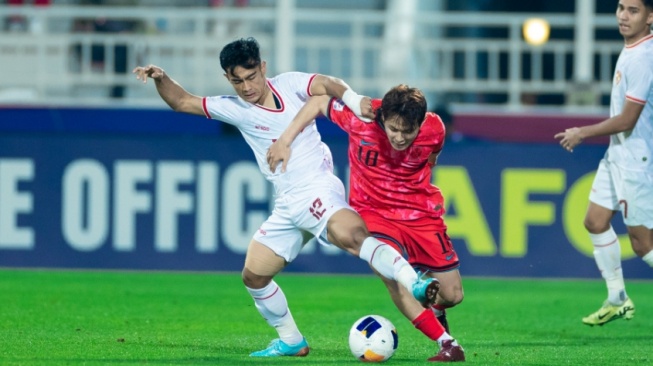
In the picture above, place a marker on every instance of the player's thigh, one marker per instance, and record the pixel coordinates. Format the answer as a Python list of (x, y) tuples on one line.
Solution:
[(605, 197), (451, 286), (604, 190), (431, 248), (347, 230), (637, 196), (321, 208), (387, 231), (280, 234), (424, 244)]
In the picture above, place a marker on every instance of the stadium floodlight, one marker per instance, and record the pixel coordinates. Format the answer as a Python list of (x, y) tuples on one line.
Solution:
[(536, 31)]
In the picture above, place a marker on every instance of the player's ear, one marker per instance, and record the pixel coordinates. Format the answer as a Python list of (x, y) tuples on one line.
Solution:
[(379, 117), (227, 74), (263, 67)]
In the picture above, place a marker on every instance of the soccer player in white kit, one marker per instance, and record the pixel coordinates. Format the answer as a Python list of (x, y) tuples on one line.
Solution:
[(310, 200), (624, 180)]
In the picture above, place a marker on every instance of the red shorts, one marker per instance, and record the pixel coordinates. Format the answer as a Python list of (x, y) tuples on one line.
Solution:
[(424, 243)]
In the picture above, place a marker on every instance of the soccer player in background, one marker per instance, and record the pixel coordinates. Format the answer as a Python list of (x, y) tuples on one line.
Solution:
[(624, 179), (391, 160), (310, 199)]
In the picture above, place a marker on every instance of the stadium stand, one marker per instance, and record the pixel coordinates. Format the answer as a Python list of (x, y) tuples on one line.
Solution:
[(72, 53)]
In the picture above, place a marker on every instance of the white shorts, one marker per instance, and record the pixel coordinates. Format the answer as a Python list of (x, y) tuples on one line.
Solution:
[(630, 192), (302, 214)]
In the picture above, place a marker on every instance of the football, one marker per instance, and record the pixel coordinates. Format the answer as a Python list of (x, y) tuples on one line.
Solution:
[(373, 338)]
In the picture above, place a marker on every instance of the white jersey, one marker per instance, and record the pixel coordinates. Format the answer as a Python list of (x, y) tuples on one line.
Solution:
[(262, 126), (633, 81)]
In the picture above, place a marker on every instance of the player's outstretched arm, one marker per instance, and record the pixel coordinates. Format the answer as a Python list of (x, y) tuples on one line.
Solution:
[(279, 151), (170, 91), (332, 86), (625, 121)]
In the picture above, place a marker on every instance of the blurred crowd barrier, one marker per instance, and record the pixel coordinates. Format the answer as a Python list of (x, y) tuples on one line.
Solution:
[(78, 55)]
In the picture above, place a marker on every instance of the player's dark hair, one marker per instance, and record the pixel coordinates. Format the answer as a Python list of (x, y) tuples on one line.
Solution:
[(243, 52), (405, 102), (648, 4)]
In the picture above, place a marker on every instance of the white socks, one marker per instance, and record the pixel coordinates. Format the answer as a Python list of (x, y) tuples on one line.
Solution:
[(607, 253), (273, 306), (388, 262), (445, 337)]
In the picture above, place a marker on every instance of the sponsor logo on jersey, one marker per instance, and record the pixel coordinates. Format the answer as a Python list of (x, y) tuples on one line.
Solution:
[(367, 143), (263, 128)]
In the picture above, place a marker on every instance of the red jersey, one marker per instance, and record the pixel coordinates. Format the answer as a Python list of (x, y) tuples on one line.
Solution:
[(394, 184)]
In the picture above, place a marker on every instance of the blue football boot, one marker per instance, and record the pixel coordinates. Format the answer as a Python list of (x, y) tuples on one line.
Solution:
[(425, 290), (278, 348)]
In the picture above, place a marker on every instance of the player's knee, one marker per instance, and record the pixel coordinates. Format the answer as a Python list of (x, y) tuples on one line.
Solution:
[(451, 296), (358, 235), (349, 237), (595, 226), (252, 280), (458, 298), (355, 238)]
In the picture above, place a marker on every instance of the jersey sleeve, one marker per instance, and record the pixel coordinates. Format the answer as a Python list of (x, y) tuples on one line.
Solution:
[(340, 114), (222, 108), (639, 88), (439, 131), (436, 134), (300, 82)]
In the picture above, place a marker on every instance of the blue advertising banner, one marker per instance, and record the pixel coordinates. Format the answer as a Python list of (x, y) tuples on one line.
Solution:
[(167, 202), (518, 210)]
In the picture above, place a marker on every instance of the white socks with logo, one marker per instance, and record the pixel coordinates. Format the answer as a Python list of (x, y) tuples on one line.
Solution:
[(607, 253), (273, 306), (388, 262)]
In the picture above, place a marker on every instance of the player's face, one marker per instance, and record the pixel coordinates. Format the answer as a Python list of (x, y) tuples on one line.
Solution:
[(249, 84), (634, 20), (400, 137)]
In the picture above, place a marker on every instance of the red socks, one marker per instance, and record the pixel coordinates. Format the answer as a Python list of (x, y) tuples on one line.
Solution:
[(427, 323)]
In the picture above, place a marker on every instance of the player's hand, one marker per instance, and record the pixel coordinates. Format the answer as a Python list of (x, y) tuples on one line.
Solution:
[(279, 152), (152, 71), (367, 113), (570, 138)]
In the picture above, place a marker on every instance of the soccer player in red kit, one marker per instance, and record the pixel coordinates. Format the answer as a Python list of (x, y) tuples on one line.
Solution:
[(391, 161)]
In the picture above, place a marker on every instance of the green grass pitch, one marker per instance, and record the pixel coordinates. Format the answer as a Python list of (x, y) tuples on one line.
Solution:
[(159, 318)]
